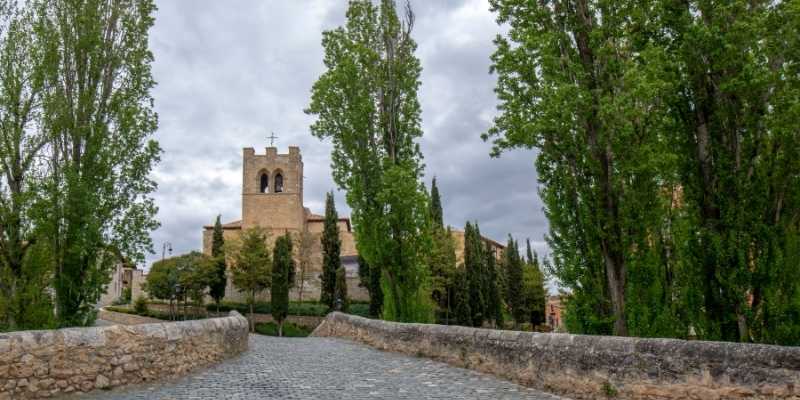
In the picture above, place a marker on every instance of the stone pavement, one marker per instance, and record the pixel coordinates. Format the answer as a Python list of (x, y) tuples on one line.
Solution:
[(325, 368)]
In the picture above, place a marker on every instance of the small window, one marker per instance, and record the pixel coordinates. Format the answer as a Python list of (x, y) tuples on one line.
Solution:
[(264, 183), (278, 183)]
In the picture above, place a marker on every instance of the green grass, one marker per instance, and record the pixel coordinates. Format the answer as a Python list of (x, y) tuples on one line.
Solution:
[(155, 314), (289, 329)]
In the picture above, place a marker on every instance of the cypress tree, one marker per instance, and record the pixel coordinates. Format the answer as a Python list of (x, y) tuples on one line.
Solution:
[(463, 314), (282, 263), (220, 281), (535, 292), (473, 263), (331, 249), (515, 292), (494, 303), (341, 290), (529, 251), (436, 206)]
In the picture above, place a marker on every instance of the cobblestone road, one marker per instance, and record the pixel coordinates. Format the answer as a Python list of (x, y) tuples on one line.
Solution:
[(324, 368)]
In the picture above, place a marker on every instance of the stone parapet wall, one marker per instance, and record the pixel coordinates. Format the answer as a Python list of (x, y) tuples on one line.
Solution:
[(589, 367), (39, 364)]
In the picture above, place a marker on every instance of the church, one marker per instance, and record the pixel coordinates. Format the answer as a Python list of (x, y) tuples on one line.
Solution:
[(272, 198)]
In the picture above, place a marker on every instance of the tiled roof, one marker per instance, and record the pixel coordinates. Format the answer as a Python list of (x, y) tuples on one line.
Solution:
[(229, 225)]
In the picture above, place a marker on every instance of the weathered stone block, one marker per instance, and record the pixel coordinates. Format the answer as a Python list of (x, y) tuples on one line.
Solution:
[(86, 359), (582, 366)]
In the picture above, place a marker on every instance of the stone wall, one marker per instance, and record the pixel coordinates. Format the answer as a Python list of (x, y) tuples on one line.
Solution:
[(39, 364), (589, 367)]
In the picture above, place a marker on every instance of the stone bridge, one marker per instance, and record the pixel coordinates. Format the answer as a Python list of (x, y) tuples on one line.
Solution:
[(356, 358), (325, 369)]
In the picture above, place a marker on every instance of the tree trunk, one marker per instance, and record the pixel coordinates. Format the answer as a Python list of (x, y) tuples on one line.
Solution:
[(280, 328), (252, 320), (615, 271)]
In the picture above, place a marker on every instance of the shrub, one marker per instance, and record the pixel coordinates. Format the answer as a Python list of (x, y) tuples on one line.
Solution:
[(305, 308), (289, 329), (140, 306)]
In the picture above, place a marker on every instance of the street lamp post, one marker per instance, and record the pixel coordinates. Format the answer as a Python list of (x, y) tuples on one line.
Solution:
[(164, 248)]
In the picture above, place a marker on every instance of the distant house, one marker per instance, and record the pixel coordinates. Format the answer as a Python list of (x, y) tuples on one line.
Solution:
[(553, 310)]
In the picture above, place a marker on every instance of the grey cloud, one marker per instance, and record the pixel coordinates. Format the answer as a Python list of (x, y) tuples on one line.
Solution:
[(229, 73)]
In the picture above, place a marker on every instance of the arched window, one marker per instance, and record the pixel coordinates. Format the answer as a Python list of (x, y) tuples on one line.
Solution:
[(264, 183), (278, 183)]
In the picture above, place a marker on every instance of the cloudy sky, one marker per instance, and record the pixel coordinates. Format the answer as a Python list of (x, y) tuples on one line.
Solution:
[(230, 72)]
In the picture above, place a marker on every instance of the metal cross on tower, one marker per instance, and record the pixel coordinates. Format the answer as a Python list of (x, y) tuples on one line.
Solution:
[(272, 139)]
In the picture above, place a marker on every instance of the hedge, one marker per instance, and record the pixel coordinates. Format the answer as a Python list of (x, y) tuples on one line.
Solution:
[(295, 308)]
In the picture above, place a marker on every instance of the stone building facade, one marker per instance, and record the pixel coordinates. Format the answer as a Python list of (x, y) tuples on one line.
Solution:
[(124, 276), (272, 199)]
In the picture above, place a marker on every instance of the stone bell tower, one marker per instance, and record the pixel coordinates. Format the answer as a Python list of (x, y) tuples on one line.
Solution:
[(272, 190)]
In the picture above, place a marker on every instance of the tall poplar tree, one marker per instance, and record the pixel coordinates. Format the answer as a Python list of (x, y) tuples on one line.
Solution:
[(23, 140), (569, 85), (331, 253), (99, 111), (734, 96), (217, 288), (366, 103)]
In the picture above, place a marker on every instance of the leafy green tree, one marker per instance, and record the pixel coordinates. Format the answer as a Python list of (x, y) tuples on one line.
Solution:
[(163, 282), (331, 252), (730, 77), (197, 274), (341, 290), (217, 289), (570, 85), (463, 313), (180, 279), (474, 264), (370, 278), (516, 290), (282, 263), (251, 271), (22, 69), (494, 301), (99, 111), (366, 103)]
